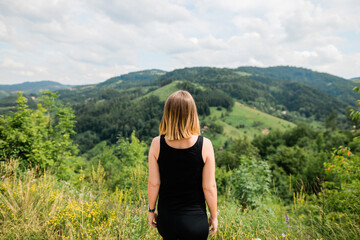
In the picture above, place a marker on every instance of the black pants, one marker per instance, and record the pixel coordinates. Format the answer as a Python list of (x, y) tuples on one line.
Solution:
[(182, 227)]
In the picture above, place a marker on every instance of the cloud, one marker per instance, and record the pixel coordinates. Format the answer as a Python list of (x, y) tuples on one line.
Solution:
[(9, 63), (88, 41)]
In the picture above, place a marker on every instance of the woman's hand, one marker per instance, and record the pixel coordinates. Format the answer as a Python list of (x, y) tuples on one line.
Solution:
[(152, 219), (213, 223)]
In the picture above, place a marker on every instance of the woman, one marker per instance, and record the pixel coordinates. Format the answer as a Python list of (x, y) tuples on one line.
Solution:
[(182, 174)]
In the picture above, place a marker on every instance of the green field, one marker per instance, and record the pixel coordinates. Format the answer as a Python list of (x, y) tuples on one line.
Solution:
[(241, 121), (164, 92)]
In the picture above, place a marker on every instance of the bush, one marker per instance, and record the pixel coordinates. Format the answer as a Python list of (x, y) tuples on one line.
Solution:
[(251, 181)]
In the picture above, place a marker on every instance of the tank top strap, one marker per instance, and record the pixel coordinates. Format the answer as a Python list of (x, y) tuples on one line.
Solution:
[(162, 142), (200, 143)]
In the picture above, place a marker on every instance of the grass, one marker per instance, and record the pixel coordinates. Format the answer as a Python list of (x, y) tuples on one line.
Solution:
[(243, 121), (164, 92), (243, 73), (34, 206)]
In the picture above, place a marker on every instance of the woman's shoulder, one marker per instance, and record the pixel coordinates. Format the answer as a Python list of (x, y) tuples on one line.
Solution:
[(207, 142), (207, 149), (156, 141), (155, 146)]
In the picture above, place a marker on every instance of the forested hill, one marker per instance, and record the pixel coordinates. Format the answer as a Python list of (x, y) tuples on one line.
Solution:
[(262, 91), (333, 85), (133, 79), (31, 87), (134, 101)]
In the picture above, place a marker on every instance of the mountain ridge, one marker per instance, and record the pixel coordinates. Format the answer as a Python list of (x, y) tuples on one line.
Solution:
[(32, 87)]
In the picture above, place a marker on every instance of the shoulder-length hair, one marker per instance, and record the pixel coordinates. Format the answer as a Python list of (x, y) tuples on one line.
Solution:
[(180, 119)]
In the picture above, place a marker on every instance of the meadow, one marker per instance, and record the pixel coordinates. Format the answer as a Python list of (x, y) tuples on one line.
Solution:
[(40, 206)]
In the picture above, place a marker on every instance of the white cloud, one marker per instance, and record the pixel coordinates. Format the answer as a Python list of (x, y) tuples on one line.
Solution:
[(87, 41), (10, 63)]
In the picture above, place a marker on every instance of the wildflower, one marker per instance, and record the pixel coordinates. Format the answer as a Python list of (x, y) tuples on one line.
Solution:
[(3, 176), (283, 235), (348, 153), (287, 219)]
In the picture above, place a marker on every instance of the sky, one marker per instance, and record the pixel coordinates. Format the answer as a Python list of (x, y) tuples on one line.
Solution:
[(88, 41)]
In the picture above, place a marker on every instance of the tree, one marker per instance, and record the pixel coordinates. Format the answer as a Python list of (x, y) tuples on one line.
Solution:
[(331, 121), (40, 137)]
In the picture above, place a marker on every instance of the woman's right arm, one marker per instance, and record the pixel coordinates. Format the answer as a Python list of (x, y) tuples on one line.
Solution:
[(209, 183), (154, 179)]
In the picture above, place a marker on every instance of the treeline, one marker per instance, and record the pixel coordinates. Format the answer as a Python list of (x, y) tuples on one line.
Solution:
[(293, 160)]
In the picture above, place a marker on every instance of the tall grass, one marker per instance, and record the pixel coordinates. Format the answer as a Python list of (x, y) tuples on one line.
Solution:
[(37, 205)]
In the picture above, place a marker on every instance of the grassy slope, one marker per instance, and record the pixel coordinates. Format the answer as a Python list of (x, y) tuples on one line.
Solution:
[(254, 122), (164, 92), (240, 114)]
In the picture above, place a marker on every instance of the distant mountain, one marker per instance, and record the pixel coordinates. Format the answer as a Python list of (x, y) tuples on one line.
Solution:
[(144, 78), (31, 87), (333, 85), (113, 87)]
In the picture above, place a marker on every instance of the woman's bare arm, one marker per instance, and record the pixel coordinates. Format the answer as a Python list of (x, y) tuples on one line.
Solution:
[(154, 179), (209, 183)]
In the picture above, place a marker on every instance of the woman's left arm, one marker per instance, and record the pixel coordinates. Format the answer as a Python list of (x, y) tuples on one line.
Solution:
[(154, 179)]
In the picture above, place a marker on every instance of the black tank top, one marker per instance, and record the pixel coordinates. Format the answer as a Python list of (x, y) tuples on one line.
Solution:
[(181, 189)]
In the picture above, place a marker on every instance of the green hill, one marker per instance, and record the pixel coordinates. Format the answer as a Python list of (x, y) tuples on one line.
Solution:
[(262, 91), (333, 85), (241, 121), (133, 79), (134, 101), (164, 92), (32, 87)]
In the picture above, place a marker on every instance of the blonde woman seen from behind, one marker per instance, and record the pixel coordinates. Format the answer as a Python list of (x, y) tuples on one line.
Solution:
[(182, 174)]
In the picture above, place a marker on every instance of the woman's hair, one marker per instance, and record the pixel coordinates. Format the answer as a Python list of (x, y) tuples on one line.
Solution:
[(180, 119)]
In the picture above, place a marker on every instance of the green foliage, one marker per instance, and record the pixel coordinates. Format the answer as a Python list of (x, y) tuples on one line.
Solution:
[(331, 121), (123, 163), (343, 187), (267, 144), (231, 157), (131, 152), (251, 181), (105, 120), (291, 167), (40, 137), (42, 207)]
